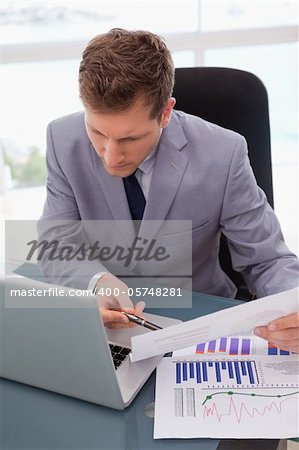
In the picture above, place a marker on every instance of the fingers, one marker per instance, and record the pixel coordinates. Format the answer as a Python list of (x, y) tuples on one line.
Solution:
[(139, 307), (116, 319), (283, 335), (124, 301), (112, 294), (283, 332), (113, 317), (291, 321), (112, 290), (286, 339)]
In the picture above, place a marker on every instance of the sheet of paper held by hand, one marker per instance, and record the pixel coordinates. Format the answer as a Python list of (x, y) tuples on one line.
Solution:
[(238, 320)]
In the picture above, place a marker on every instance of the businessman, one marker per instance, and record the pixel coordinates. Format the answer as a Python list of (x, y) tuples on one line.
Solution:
[(130, 139)]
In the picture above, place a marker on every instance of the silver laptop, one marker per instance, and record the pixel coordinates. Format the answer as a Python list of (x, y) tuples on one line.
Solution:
[(59, 343)]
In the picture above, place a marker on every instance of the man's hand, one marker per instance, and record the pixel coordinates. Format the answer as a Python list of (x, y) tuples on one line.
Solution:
[(107, 304), (283, 332)]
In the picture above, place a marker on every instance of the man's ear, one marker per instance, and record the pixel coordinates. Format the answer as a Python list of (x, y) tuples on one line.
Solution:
[(166, 114)]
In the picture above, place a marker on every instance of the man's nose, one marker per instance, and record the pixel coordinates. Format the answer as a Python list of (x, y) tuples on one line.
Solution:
[(113, 154)]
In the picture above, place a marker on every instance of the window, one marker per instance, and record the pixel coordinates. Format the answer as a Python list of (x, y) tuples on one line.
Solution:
[(35, 21), (234, 15)]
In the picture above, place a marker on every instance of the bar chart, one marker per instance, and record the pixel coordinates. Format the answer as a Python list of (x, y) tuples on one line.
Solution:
[(215, 395), (238, 346), (217, 372)]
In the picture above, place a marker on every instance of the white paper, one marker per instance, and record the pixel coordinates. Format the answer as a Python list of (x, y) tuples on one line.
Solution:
[(263, 404), (240, 319)]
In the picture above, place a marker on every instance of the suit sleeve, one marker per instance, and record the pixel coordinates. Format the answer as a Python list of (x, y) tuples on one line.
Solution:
[(60, 202), (61, 223), (253, 232)]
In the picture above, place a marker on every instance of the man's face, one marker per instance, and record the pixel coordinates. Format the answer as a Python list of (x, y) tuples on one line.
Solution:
[(124, 139)]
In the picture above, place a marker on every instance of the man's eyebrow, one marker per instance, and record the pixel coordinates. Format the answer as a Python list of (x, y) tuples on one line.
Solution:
[(92, 128), (133, 136)]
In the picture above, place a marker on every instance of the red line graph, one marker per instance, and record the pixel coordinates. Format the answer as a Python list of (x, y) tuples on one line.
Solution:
[(242, 411)]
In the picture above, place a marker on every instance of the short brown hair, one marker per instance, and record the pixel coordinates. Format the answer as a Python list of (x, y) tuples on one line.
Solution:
[(122, 66)]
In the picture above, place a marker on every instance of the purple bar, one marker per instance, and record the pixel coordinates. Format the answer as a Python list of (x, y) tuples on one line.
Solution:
[(245, 350), (198, 374), (234, 344), (218, 374), (185, 376), (222, 346), (272, 350), (178, 373), (204, 372), (211, 347), (191, 370), (200, 348), (284, 352)]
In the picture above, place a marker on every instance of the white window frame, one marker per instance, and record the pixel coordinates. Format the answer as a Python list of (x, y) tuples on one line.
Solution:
[(198, 41)]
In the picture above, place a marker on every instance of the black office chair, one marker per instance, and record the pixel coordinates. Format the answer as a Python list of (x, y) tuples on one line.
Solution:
[(237, 100)]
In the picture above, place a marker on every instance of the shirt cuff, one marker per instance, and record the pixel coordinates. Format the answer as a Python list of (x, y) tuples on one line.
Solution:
[(93, 282)]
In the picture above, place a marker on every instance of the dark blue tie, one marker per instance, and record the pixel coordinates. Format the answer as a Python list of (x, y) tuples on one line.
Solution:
[(136, 199)]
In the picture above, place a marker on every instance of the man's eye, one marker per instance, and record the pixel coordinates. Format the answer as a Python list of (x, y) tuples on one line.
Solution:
[(132, 139), (98, 133)]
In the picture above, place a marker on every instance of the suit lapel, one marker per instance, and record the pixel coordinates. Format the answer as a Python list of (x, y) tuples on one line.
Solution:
[(167, 175)]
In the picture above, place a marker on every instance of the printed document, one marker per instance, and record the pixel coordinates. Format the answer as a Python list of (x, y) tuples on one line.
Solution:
[(214, 396), (241, 319)]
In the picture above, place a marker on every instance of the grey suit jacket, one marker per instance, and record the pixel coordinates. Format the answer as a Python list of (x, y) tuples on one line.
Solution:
[(202, 173)]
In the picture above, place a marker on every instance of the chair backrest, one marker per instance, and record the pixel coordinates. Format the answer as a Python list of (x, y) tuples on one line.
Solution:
[(237, 100)]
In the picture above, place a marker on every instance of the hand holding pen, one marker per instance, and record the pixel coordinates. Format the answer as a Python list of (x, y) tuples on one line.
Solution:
[(141, 321), (119, 312), (111, 306)]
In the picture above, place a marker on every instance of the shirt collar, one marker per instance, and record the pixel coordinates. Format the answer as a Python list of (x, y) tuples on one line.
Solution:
[(147, 164)]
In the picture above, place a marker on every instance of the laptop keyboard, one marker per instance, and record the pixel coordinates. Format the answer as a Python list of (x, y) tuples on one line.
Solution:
[(119, 354)]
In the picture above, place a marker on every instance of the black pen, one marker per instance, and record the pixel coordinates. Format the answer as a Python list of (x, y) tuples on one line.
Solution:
[(142, 322)]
